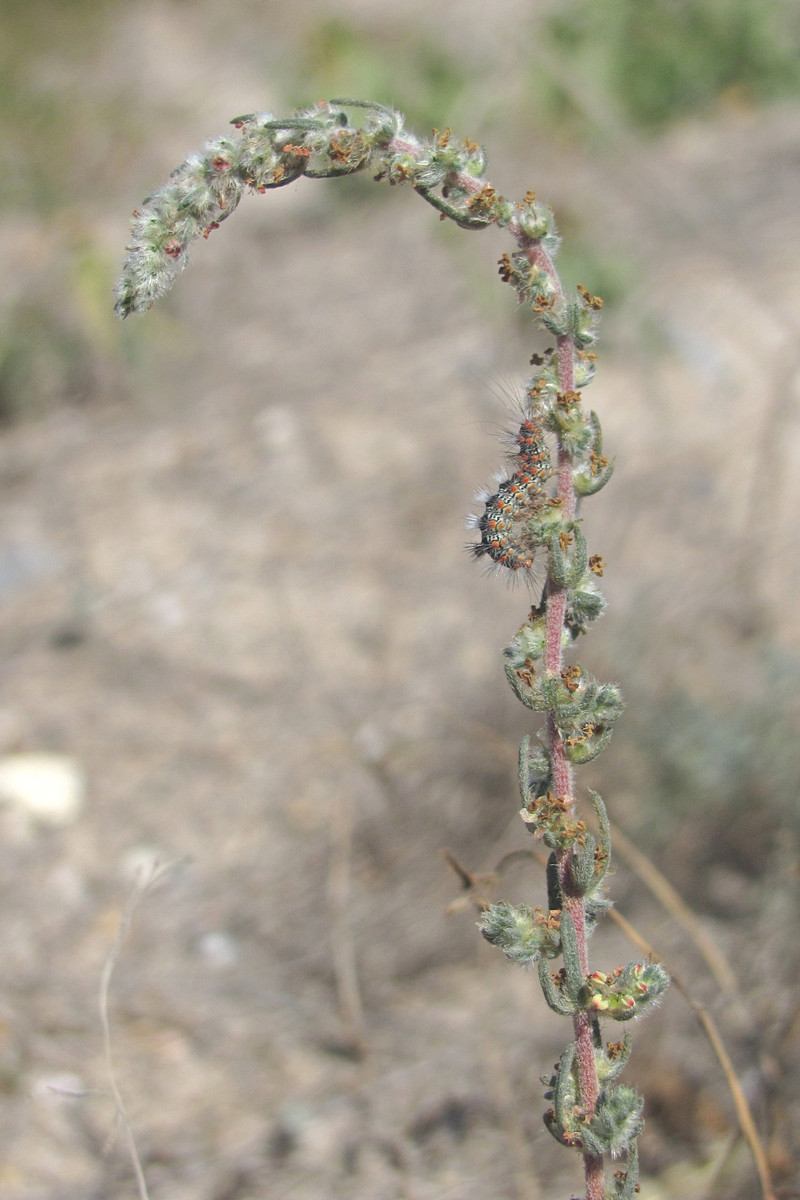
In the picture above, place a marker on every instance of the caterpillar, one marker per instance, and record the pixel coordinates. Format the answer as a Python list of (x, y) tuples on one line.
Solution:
[(503, 525)]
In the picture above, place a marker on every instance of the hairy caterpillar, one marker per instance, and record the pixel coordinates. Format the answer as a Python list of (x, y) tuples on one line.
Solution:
[(503, 525)]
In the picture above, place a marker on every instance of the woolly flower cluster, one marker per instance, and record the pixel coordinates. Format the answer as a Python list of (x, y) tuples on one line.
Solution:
[(317, 143), (206, 189), (200, 194)]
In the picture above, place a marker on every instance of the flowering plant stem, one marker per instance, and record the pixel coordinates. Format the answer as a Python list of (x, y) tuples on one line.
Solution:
[(588, 1084), (530, 521)]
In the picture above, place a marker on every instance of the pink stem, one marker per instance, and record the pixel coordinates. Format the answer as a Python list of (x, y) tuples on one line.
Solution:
[(588, 1084), (553, 663)]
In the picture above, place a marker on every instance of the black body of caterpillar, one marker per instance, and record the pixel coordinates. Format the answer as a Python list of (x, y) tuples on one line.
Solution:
[(503, 525)]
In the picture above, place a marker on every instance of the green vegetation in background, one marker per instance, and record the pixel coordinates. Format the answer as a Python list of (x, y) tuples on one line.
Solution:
[(65, 132), (391, 65), (659, 61), (732, 769), (57, 135)]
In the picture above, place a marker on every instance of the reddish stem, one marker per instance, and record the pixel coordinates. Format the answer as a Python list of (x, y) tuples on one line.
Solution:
[(588, 1085)]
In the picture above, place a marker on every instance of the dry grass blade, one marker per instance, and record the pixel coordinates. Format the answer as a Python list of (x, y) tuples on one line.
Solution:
[(660, 887), (709, 1026), (147, 879), (339, 886), (706, 1021)]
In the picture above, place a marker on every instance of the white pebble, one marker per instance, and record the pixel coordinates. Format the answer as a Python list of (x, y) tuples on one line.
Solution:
[(218, 950), (61, 1085), (48, 788)]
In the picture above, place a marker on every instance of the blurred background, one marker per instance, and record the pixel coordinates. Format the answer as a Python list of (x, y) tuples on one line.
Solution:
[(241, 638)]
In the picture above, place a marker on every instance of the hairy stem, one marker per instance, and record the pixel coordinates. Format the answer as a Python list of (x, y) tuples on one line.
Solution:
[(583, 1022)]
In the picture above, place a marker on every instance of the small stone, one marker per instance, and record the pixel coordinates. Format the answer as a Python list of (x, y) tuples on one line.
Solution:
[(61, 1085), (218, 950), (48, 788)]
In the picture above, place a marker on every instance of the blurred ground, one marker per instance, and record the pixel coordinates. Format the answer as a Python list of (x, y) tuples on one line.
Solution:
[(233, 591)]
